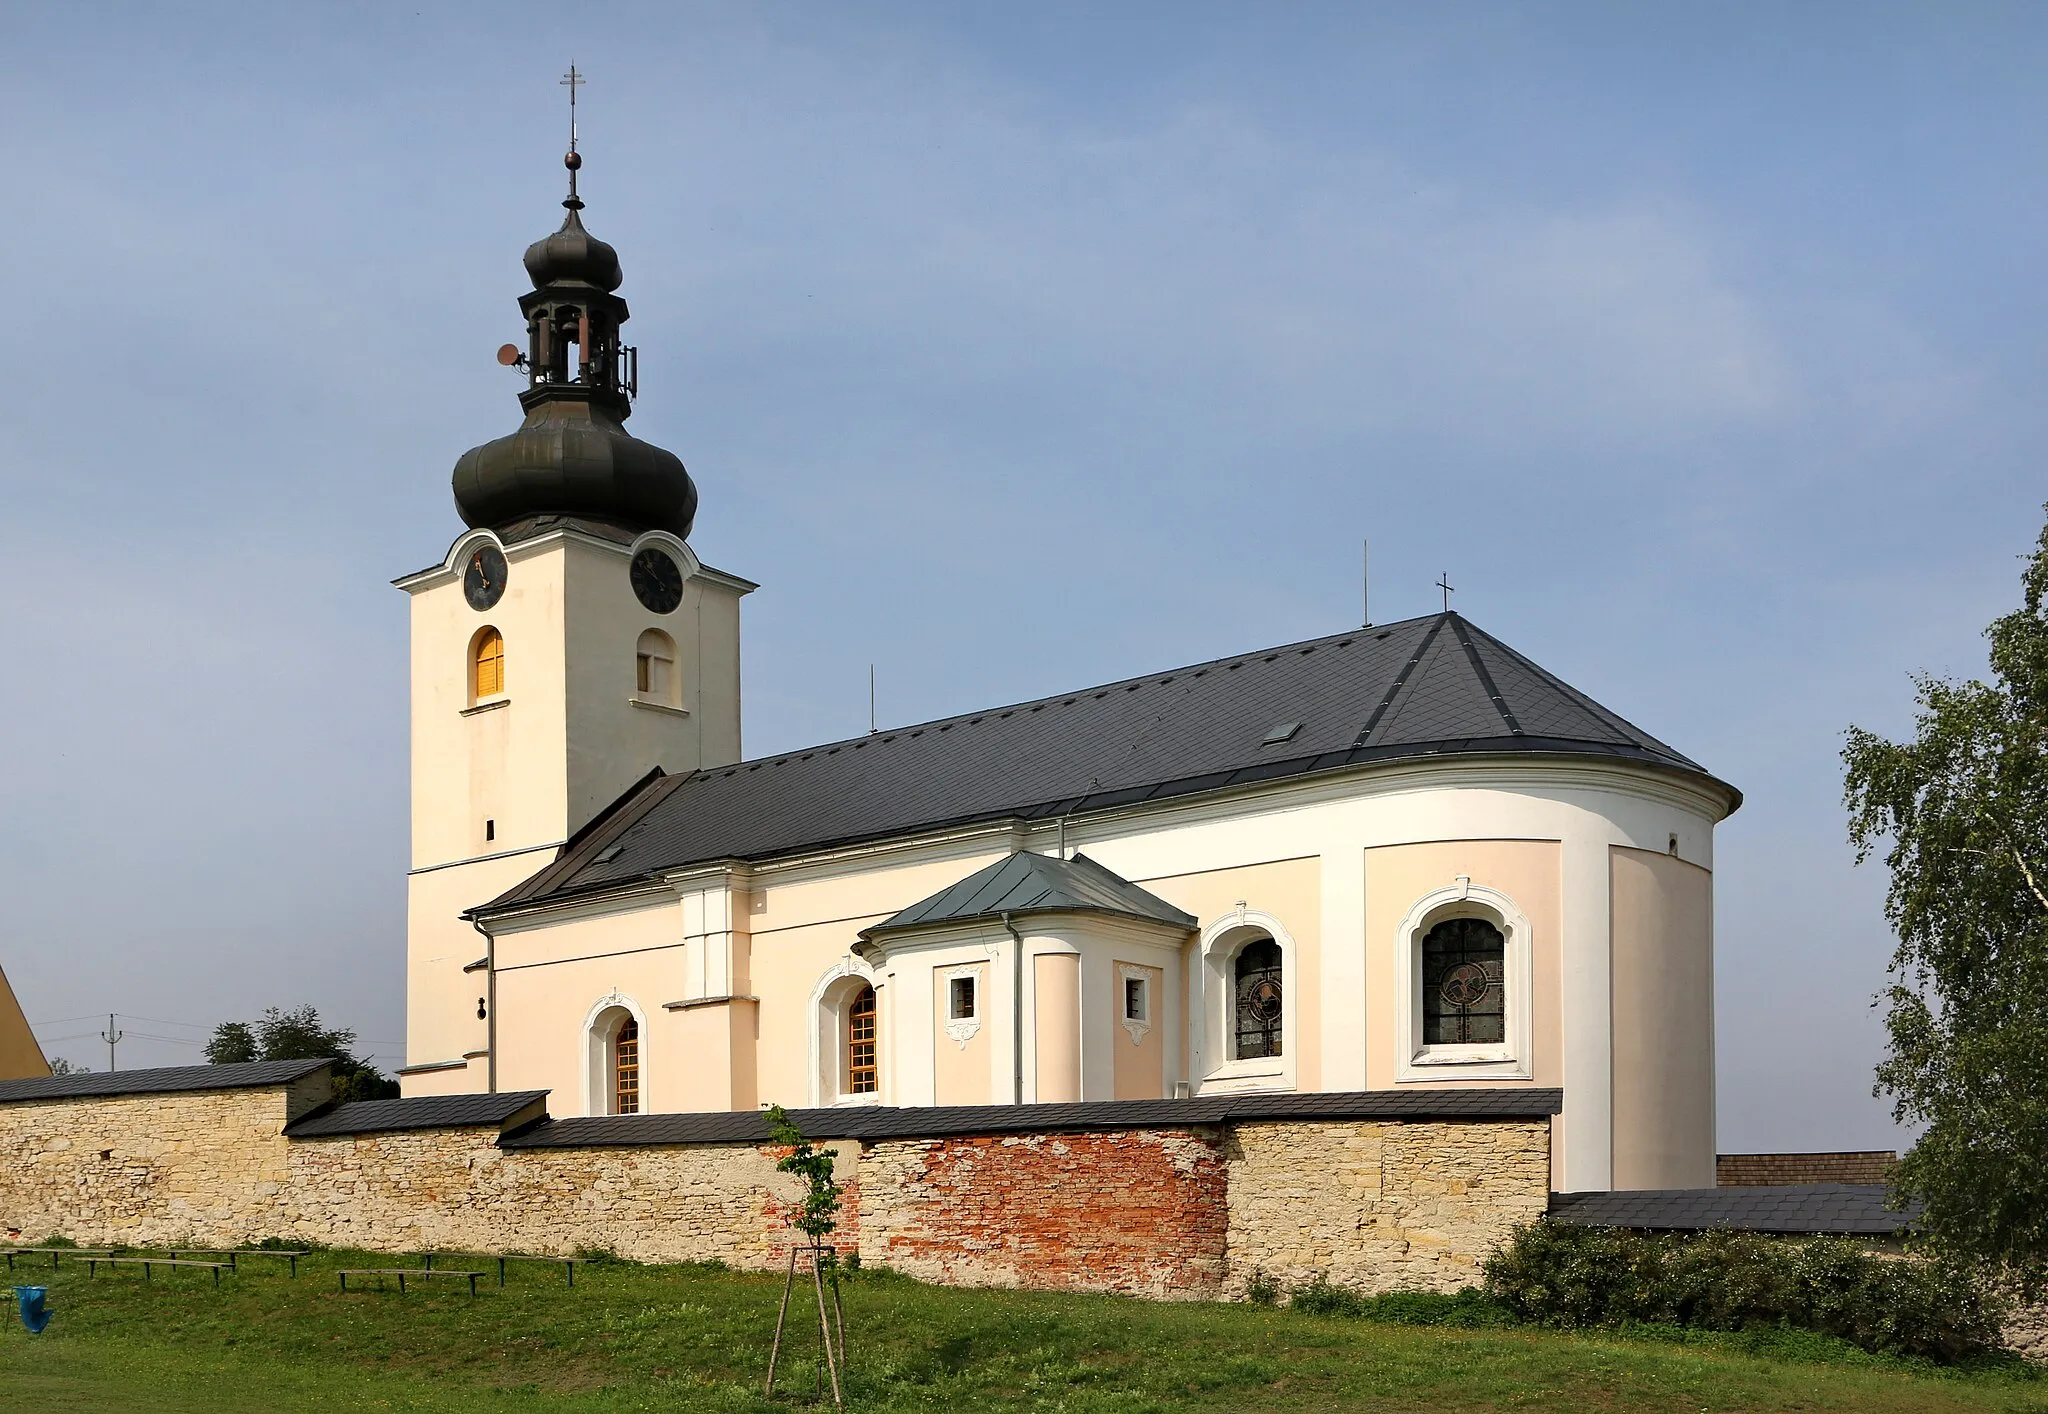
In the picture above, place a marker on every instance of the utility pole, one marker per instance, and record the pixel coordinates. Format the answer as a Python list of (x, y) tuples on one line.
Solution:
[(110, 1036)]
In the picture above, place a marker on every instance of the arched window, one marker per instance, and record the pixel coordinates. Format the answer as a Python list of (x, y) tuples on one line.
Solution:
[(654, 668), (626, 1068), (862, 1074), (1257, 1010), (486, 664), (1464, 996)]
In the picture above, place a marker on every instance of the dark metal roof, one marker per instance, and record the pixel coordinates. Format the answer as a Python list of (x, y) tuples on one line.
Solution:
[(156, 1082), (419, 1112), (1429, 687), (1848, 1209), (874, 1122), (1028, 883)]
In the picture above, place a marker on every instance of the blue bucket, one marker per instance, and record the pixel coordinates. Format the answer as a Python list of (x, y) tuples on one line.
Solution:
[(35, 1307)]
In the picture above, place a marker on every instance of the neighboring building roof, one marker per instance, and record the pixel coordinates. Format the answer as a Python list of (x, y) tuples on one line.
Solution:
[(418, 1112), (1028, 883), (1433, 687), (20, 1057), (1846, 1209), (874, 1122), (246, 1076)]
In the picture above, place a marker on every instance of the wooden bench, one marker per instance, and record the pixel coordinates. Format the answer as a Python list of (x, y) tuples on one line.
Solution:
[(92, 1265), (56, 1254), (232, 1253), (568, 1264), (403, 1272)]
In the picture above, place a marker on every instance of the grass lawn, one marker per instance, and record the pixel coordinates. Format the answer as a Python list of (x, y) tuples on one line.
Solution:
[(684, 1338)]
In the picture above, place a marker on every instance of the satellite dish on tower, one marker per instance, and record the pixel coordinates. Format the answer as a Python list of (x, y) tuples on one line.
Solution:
[(509, 355)]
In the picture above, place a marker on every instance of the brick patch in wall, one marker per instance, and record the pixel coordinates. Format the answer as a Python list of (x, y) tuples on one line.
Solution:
[(1131, 1211)]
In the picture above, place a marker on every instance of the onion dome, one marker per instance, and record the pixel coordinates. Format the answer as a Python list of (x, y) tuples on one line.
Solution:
[(572, 254), (571, 457)]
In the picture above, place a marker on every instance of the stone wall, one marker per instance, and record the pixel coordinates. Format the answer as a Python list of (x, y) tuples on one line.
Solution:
[(1169, 1211), (142, 1169), (1380, 1206)]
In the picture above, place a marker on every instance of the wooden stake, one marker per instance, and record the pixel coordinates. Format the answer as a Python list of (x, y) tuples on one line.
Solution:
[(788, 1282), (825, 1328)]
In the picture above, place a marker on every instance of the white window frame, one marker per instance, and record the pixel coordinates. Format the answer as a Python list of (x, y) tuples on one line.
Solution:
[(829, 1000), (1511, 1060), (963, 1028), (1137, 1027), (1214, 983), (598, 1093)]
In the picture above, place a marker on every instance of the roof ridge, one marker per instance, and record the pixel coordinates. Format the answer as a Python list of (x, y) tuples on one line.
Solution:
[(1158, 677), (1400, 681), (1608, 715), (1507, 716)]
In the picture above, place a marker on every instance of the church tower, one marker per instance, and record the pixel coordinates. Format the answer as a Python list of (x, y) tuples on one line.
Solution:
[(570, 642)]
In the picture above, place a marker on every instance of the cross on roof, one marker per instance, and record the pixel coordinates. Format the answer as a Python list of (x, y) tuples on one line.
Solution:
[(572, 81), (1444, 583)]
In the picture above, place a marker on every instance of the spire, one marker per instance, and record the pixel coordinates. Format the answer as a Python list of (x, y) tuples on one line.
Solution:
[(572, 457), (573, 160)]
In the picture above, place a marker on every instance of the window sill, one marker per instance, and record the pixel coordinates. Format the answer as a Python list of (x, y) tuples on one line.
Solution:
[(489, 704), (648, 704), (1463, 1063)]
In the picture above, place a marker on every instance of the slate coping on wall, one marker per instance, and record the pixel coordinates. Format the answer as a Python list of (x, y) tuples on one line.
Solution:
[(874, 1122), (169, 1079), (422, 1112), (1845, 1209)]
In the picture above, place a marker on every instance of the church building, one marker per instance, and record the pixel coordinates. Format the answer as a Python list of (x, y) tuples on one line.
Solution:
[(1399, 857)]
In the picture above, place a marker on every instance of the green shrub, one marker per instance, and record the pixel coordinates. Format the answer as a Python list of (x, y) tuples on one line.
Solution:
[(1469, 1307), (1557, 1274)]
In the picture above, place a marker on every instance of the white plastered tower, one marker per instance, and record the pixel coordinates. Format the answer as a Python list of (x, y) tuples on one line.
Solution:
[(569, 643)]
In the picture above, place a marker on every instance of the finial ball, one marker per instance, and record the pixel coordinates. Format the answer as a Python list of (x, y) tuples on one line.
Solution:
[(573, 160)]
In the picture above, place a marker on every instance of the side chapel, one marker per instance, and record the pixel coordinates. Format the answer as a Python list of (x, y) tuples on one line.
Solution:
[(1400, 856)]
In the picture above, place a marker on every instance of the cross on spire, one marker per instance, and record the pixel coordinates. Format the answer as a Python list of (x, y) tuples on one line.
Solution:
[(572, 81), (1444, 583)]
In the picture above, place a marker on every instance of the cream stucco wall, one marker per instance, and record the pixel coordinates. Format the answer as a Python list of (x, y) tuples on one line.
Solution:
[(1138, 1064), (1331, 866), (1663, 1022), (1528, 871)]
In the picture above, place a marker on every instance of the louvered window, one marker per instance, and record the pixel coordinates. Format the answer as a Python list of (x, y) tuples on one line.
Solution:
[(489, 663)]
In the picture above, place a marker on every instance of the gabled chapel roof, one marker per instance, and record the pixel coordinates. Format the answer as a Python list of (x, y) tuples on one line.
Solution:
[(1027, 883), (1434, 687)]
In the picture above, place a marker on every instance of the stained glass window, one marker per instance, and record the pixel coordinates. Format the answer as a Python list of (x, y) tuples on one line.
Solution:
[(626, 1068), (1258, 1000), (860, 1044), (1463, 1000)]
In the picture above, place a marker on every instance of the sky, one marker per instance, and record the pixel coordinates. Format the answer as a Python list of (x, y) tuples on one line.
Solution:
[(1013, 347)]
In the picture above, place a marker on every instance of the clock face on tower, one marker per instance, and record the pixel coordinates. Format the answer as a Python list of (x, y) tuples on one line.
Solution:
[(483, 580), (656, 581)]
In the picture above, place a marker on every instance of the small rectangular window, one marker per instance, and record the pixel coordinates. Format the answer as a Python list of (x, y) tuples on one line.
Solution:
[(1135, 1001), (644, 676), (963, 999), (490, 829)]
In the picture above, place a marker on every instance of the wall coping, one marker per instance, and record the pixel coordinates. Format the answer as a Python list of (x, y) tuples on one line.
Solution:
[(1789, 1209), (174, 1079), (877, 1122), (508, 1109)]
